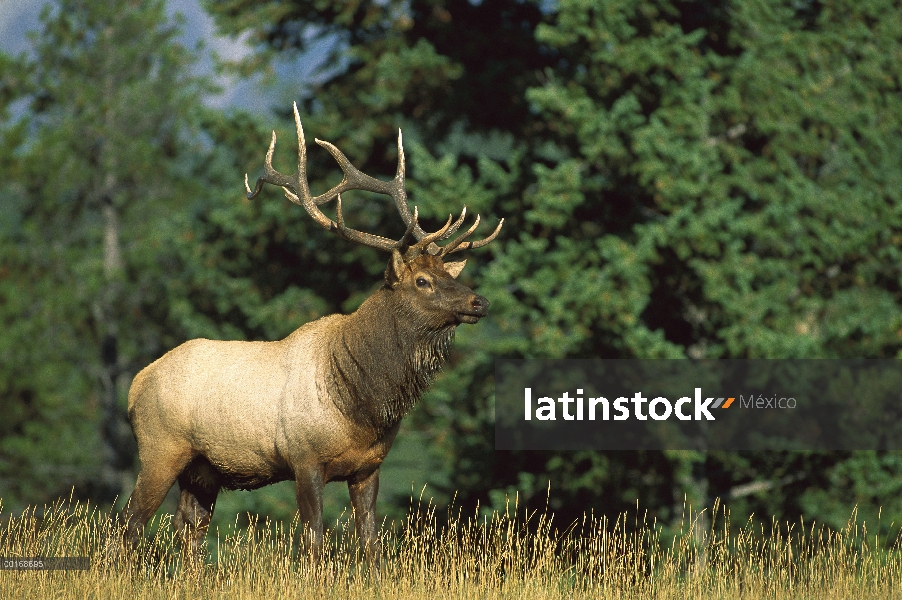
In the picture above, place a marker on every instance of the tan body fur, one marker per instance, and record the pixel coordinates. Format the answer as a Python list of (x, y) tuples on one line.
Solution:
[(250, 408)]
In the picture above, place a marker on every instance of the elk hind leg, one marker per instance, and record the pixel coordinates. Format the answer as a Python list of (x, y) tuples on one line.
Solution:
[(199, 484), (157, 476)]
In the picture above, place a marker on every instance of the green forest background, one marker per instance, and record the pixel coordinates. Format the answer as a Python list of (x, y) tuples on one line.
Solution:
[(678, 180)]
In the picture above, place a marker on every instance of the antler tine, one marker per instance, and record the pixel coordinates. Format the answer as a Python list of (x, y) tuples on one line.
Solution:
[(401, 200), (405, 239), (459, 244), (303, 186), (402, 163), (257, 188), (456, 224), (270, 175)]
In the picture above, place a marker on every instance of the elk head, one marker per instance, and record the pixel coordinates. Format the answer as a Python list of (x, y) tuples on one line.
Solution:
[(417, 266), (428, 288)]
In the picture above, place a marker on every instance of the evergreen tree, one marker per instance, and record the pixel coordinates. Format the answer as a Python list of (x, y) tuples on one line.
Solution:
[(741, 165), (102, 162)]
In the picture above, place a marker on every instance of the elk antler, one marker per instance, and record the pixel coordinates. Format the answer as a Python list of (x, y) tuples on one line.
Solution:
[(298, 191)]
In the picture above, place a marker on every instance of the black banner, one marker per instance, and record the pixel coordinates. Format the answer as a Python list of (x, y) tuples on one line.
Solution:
[(789, 404)]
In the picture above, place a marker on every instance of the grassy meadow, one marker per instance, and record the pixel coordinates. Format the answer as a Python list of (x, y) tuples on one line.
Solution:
[(454, 556)]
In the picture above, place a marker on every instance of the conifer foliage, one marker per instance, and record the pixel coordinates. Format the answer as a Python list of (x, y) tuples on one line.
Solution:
[(679, 179)]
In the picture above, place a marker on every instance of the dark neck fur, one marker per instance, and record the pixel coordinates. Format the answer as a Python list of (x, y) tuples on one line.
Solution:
[(381, 361)]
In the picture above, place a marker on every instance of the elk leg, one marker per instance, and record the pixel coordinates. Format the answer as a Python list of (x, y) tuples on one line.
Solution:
[(309, 495), (154, 481), (196, 503), (363, 491)]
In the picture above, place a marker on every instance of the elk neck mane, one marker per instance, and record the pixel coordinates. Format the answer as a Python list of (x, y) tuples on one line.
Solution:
[(382, 359)]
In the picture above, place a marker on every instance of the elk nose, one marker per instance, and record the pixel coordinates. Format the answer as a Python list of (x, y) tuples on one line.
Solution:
[(480, 304)]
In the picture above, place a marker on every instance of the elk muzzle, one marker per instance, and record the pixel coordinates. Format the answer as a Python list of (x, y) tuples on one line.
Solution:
[(478, 307)]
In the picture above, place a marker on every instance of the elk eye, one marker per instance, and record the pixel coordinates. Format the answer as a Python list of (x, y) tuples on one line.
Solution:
[(422, 282)]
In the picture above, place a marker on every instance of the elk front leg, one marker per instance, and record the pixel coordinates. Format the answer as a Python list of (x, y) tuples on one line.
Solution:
[(309, 495), (363, 490)]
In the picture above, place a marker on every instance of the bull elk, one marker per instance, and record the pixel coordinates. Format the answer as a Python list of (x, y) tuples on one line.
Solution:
[(325, 403)]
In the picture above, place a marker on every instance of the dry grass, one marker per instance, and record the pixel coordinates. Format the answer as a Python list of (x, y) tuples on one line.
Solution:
[(493, 556)]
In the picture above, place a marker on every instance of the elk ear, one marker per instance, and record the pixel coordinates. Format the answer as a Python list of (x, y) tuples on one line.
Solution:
[(454, 268), (395, 269)]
